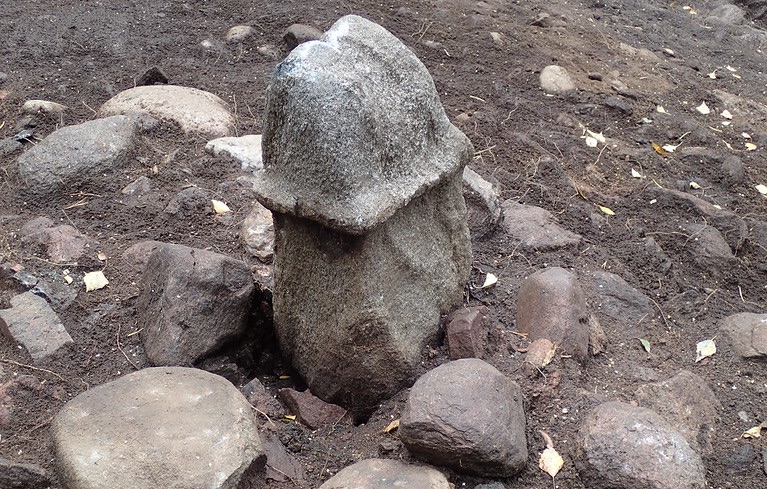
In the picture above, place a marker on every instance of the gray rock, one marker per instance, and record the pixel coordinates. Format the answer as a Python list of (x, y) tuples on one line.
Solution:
[(551, 305), (300, 33), (62, 243), (196, 111), (709, 248), (375, 473), (9, 146), (658, 258), (556, 79), (138, 254), (31, 322), (688, 404), (22, 476), (245, 149), (748, 334), (732, 170), (257, 233), (620, 445), (189, 203), (239, 33), (281, 465), (484, 209), (381, 226), (727, 14), (310, 410), (138, 187), (76, 153), (620, 301), (758, 233), (256, 394), (159, 427), (534, 228), (467, 415), (191, 302), (466, 332), (43, 107)]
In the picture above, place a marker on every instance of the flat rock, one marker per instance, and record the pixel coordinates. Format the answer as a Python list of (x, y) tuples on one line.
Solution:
[(189, 203), (138, 254), (534, 228), (22, 476), (191, 302), (300, 33), (239, 33), (173, 428), (466, 332), (311, 410), (376, 473), (748, 333), (466, 415), (688, 404), (709, 248), (196, 111), (62, 243), (620, 301), (281, 465), (74, 154), (483, 207), (551, 304), (256, 394), (257, 233), (45, 107), (31, 322), (556, 79), (245, 149), (620, 445)]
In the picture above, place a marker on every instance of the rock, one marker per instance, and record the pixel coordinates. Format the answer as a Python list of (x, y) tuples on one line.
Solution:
[(377, 473), (138, 254), (555, 79), (620, 301), (299, 33), (620, 104), (641, 53), (310, 410), (257, 233), (159, 427), (138, 187), (382, 226), (546, 21), (540, 353), (748, 333), (282, 466), (709, 248), (58, 293), (256, 394), (732, 170), (686, 402), (659, 259), (484, 210), (189, 203), (75, 154), (551, 305), (466, 415), (23, 476), (62, 243), (534, 228), (727, 14), (239, 33), (45, 107), (270, 51), (245, 149), (9, 146), (196, 111), (191, 302), (758, 232), (466, 332), (31, 322), (152, 76), (620, 445)]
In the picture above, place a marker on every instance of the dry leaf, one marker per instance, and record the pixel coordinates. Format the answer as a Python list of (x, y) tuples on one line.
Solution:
[(606, 210), (754, 432), (661, 109), (695, 185), (703, 109), (95, 280), (635, 174), (591, 142), (220, 207), (750, 147), (736, 76), (68, 279), (550, 462), (101, 256), (670, 148), (730, 68), (291, 417), (597, 135), (490, 280), (726, 114), (669, 51), (645, 344), (391, 426), (705, 349), (658, 149), (540, 352), (762, 189), (745, 135), (712, 75)]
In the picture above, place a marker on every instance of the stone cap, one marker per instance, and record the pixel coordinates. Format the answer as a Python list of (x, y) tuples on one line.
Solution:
[(354, 130)]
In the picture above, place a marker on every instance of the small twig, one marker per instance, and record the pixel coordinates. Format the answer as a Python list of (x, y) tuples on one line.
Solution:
[(477, 98), (283, 473), (32, 367), (662, 314), (263, 414), (89, 107), (600, 154), (119, 347)]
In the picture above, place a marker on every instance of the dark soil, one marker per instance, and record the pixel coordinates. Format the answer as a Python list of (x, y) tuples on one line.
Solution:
[(81, 53)]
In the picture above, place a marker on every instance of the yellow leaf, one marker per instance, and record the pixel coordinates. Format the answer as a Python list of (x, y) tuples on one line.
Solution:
[(220, 207), (95, 280), (284, 377), (606, 210), (645, 344), (392, 426), (551, 461), (694, 185), (659, 150), (490, 280), (750, 147), (101, 256), (291, 417), (754, 432)]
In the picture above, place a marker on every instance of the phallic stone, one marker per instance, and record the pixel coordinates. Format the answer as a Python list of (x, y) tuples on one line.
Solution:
[(62, 243), (311, 410), (191, 302), (43, 107), (620, 445), (362, 172), (245, 149), (551, 305), (534, 228), (159, 427), (556, 79), (31, 322), (748, 333), (376, 473), (239, 33), (77, 153), (466, 332), (15, 475), (467, 415), (687, 403), (196, 111), (300, 33), (484, 210), (257, 233)]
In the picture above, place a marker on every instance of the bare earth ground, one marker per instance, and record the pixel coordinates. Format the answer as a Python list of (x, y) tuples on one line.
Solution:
[(80, 53)]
